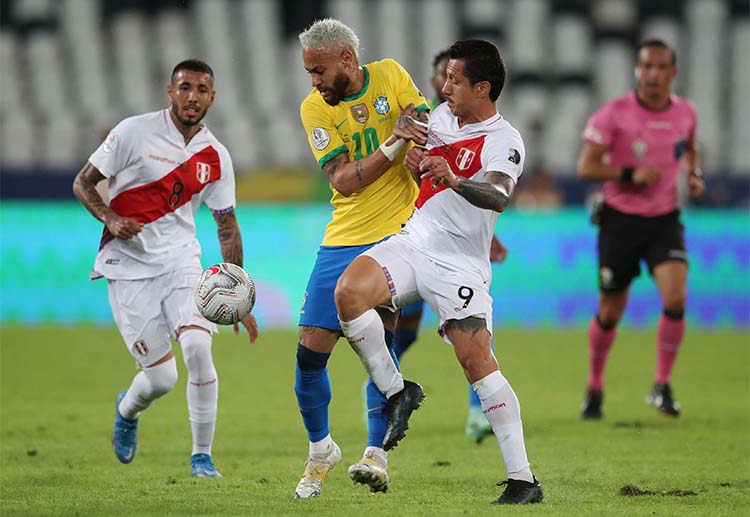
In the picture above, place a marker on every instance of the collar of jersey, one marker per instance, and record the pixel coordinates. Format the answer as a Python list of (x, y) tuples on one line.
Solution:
[(361, 92), (176, 132)]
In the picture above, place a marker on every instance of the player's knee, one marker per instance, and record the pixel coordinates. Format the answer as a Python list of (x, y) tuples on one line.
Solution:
[(196, 352), (347, 293), (162, 378), (675, 301)]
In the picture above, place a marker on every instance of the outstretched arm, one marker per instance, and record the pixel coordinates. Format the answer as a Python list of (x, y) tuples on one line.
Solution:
[(230, 242), (349, 177), (84, 188)]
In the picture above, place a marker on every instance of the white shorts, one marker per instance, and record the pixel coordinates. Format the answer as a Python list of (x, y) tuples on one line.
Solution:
[(148, 312), (453, 293)]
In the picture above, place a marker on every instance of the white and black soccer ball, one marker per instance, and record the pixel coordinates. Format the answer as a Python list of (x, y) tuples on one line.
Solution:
[(225, 293)]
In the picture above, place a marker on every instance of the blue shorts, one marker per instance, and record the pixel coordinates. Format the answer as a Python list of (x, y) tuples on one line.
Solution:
[(413, 308), (318, 308)]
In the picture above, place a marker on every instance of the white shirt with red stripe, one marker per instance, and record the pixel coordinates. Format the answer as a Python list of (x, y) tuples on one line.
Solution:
[(153, 177), (445, 226)]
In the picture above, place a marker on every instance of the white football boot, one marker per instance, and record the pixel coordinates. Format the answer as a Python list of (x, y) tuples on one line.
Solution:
[(311, 484)]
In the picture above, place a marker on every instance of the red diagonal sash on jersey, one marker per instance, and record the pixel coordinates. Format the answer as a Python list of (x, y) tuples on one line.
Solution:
[(464, 159), (149, 202)]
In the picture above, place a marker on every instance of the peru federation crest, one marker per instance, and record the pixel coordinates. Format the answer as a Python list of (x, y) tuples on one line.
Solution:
[(464, 158), (203, 172), (381, 105)]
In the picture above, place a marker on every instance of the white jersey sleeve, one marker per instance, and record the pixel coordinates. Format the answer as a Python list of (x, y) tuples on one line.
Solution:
[(118, 151), (505, 153), (220, 194)]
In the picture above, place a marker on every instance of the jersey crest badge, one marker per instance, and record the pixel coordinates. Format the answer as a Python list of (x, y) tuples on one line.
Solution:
[(381, 105), (203, 172), (360, 112), (464, 158), (320, 138), (639, 148)]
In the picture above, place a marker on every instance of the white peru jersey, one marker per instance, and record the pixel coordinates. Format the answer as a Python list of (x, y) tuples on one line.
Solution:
[(445, 226), (153, 177)]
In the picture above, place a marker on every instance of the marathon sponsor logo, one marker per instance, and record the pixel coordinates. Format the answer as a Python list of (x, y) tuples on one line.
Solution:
[(161, 159), (659, 124), (677, 254), (203, 384), (493, 408)]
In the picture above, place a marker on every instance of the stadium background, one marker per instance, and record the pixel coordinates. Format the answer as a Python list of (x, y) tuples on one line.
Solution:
[(73, 68)]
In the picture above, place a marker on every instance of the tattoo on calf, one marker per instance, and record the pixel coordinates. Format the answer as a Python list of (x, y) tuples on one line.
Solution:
[(471, 324)]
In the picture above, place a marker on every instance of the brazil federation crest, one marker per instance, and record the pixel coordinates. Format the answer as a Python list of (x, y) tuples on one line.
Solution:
[(464, 158), (203, 172), (381, 105), (360, 112)]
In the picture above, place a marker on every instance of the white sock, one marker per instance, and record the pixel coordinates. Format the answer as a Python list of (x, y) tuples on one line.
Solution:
[(380, 455), (202, 388), (500, 406), (147, 386), (321, 449), (366, 335)]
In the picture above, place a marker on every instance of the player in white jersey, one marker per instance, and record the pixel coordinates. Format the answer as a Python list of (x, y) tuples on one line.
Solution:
[(159, 168), (467, 175)]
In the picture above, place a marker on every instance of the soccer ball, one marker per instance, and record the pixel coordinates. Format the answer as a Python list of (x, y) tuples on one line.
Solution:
[(225, 293)]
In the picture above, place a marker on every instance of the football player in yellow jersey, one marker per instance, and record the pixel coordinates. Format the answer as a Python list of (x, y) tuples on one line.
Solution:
[(359, 120)]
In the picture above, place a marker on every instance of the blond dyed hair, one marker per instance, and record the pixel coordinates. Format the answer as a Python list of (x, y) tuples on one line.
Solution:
[(330, 33)]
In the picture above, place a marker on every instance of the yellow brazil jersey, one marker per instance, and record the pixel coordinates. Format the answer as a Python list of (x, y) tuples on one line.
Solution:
[(358, 125)]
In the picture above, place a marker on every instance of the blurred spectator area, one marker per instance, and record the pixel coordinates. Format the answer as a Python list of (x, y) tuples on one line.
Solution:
[(73, 68)]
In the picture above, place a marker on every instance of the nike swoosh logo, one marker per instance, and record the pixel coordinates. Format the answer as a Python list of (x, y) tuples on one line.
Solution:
[(129, 456), (340, 124)]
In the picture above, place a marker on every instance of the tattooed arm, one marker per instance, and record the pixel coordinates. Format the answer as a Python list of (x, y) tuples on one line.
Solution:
[(349, 177), (493, 193), (230, 242), (84, 188), (230, 238)]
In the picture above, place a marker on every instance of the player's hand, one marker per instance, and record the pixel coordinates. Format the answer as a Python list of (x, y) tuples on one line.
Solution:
[(696, 186), (409, 128), (437, 170), (414, 157), (122, 227), (250, 324), (646, 175), (498, 252)]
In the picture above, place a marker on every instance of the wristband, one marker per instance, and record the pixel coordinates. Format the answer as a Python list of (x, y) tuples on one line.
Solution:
[(392, 150), (626, 176)]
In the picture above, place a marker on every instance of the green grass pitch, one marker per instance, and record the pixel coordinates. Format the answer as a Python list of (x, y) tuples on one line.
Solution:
[(59, 384)]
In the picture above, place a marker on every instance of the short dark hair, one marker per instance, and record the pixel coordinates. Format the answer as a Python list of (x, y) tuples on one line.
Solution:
[(654, 42), (443, 54), (482, 62), (194, 65)]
